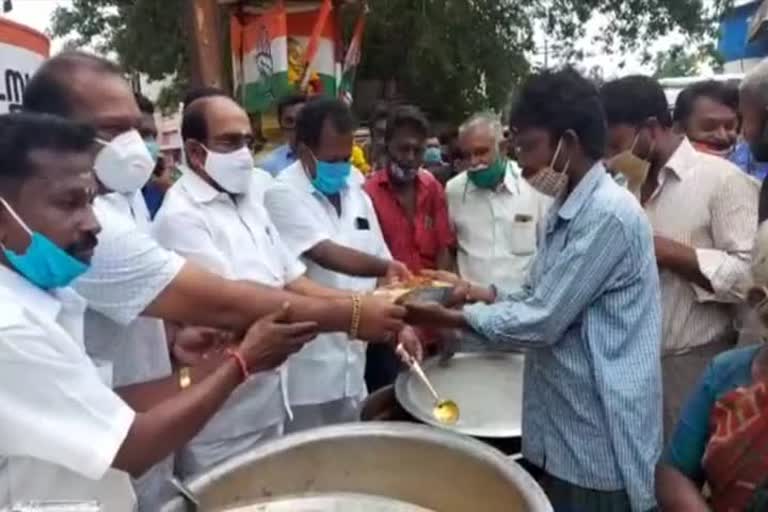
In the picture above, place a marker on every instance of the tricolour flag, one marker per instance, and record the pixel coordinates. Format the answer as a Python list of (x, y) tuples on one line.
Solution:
[(269, 52), (352, 60), (260, 57)]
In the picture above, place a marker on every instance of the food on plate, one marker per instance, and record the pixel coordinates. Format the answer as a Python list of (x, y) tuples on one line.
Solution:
[(416, 289)]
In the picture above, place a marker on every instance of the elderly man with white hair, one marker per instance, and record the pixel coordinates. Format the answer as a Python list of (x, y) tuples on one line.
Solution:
[(753, 108), (494, 210)]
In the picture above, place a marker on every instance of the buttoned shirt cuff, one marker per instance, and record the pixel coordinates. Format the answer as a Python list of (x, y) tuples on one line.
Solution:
[(728, 275)]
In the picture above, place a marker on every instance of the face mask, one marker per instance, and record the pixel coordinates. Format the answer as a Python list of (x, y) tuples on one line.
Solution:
[(124, 164), (488, 177), (231, 171), (43, 263), (634, 168), (433, 155), (402, 175), (331, 177), (548, 181), (153, 147)]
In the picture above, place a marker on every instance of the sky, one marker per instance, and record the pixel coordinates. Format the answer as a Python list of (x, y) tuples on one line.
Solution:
[(37, 14)]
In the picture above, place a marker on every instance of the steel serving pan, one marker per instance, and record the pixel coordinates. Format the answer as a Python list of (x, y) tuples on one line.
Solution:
[(338, 502), (488, 388), (415, 464)]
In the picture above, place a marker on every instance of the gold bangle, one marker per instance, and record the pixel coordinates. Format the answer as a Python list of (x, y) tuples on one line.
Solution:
[(185, 377), (357, 304)]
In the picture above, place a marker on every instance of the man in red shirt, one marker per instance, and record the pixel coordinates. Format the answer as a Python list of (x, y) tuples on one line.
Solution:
[(410, 202), (412, 211)]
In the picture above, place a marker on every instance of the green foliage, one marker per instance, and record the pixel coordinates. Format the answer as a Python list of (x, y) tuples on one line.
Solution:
[(452, 57), (146, 35), (678, 61)]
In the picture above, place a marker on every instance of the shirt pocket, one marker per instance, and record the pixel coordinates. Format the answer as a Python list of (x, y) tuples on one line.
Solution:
[(521, 235)]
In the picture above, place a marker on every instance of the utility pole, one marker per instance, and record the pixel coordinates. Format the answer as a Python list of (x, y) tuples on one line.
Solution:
[(202, 23)]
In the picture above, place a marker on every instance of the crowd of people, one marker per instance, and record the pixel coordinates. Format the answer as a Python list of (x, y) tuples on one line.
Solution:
[(155, 324)]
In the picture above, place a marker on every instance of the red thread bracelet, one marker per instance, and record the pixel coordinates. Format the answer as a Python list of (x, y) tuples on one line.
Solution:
[(240, 362)]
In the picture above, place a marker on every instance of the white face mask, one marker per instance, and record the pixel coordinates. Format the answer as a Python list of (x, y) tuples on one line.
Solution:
[(232, 171), (124, 164)]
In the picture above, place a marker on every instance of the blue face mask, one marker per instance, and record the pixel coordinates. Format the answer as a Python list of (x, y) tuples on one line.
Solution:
[(331, 177), (43, 263), (153, 147)]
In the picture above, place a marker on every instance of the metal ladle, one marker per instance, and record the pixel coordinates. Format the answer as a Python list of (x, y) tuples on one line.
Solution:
[(445, 411)]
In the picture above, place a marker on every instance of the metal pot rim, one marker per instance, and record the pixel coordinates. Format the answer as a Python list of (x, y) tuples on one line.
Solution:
[(529, 489)]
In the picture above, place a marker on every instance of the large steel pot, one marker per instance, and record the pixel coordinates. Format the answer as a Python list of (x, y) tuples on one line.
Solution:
[(423, 466)]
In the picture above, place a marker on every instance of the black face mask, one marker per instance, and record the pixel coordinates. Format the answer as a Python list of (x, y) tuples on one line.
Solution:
[(760, 148)]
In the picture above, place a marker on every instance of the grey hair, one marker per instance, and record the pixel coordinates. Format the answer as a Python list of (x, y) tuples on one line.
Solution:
[(756, 82), (488, 119)]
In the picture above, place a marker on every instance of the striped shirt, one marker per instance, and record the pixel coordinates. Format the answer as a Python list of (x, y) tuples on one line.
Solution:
[(707, 203), (590, 315)]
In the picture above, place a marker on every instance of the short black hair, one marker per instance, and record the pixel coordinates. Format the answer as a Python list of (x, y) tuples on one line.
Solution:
[(633, 99), (562, 100), (309, 125), (145, 105), (193, 124), (721, 92), (22, 133), (203, 92), (407, 116), (289, 101), (48, 91)]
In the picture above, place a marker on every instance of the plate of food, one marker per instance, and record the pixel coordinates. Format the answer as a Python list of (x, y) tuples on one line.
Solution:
[(416, 289)]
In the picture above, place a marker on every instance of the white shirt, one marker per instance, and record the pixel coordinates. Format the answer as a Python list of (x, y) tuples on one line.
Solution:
[(236, 240), (331, 367), (496, 230), (708, 203), (129, 270), (60, 425)]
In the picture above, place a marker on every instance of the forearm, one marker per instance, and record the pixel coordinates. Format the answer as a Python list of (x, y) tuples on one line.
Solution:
[(145, 395), (309, 288), (683, 262), (347, 260), (677, 493), (198, 297), (159, 432)]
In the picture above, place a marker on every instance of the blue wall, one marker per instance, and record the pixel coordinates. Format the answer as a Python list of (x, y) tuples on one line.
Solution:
[(734, 30)]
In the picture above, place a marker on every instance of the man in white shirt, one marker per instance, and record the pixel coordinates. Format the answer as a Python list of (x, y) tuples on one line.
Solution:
[(324, 216), (494, 211), (63, 431), (131, 274), (214, 216), (90, 89), (704, 214)]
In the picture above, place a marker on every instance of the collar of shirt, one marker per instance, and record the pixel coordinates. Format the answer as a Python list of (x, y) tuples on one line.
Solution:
[(580, 195), (30, 296), (510, 183), (381, 178), (683, 160), (198, 189), (297, 175)]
